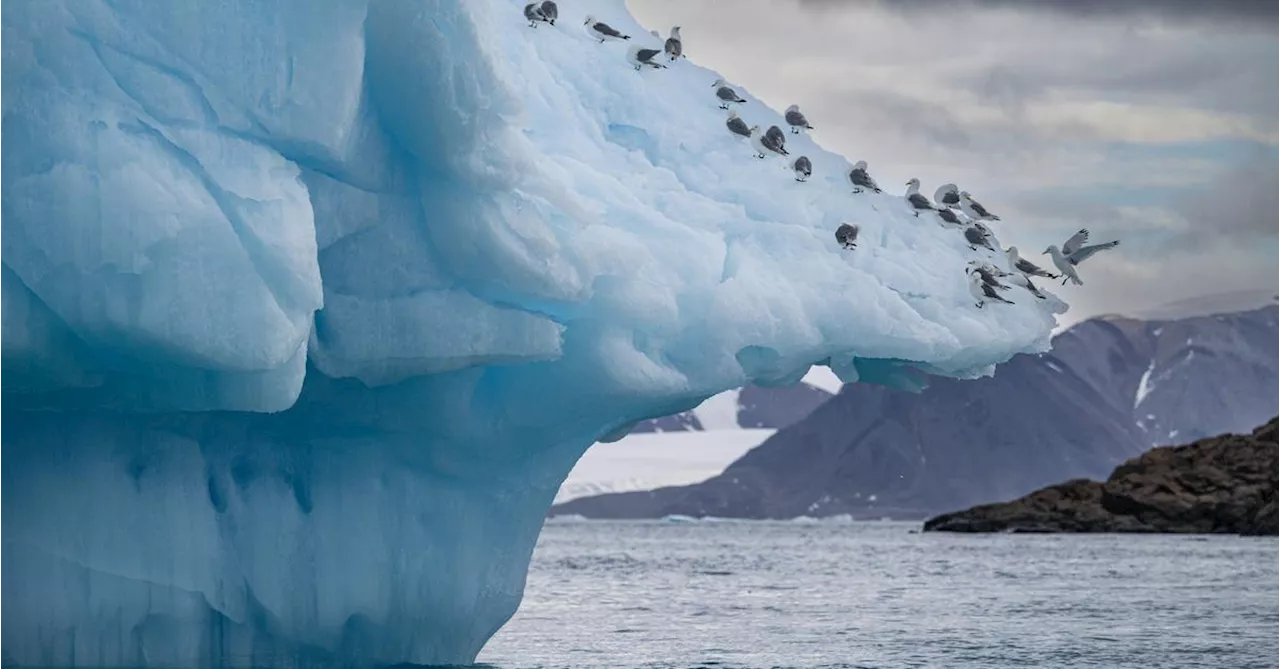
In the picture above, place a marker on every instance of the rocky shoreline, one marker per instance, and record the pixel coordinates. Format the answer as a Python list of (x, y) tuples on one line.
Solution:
[(1218, 485)]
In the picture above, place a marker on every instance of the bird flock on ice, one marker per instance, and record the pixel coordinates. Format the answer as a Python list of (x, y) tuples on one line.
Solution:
[(954, 208)]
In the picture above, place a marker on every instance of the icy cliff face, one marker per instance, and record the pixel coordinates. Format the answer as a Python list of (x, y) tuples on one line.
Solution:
[(310, 305)]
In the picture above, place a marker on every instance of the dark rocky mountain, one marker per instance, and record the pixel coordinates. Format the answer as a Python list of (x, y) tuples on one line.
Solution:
[(1223, 484), (1110, 388)]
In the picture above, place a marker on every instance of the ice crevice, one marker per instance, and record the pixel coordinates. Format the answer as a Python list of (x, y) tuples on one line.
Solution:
[(311, 305)]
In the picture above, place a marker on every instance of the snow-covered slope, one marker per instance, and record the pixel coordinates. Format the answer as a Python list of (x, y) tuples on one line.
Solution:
[(310, 306)]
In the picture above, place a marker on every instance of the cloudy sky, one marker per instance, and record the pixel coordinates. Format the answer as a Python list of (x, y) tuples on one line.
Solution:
[(1152, 121)]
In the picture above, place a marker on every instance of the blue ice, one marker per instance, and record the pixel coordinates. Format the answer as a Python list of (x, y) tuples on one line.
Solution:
[(310, 305)]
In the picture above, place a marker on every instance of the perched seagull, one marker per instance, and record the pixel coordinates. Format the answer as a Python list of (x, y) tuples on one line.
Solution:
[(976, 237), (973, 210), (1020, 279), (774, 135), (1025, 266), (602, 31), (737, 126), (949, 216), (917, 201), (726, 94), (640, 57), (947, 195), (767, 142), (1075, 252), (673, 45), (534, 14), (847, 236), (796, 120), (982, 292), (803, 168), (989, 274), (860, 179), (550, 11)]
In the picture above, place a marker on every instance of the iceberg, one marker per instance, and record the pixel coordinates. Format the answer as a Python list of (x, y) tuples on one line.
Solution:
[(309, 307)]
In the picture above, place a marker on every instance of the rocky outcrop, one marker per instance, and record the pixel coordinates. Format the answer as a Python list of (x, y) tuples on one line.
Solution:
[(1219, 485)]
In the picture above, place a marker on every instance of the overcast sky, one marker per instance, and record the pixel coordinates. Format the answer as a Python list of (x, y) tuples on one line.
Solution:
[(1151, 121)]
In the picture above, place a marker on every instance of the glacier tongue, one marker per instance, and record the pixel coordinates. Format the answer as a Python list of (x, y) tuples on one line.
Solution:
[(311, 305)]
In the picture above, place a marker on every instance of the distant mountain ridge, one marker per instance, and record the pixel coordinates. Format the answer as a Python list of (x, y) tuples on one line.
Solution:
[(1109, 389)]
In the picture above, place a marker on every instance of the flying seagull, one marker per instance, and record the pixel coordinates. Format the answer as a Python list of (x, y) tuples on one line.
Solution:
[(1075, 252), (726, 94), (861, 178), (737, 126), (947, 195), (640, 57), (1025, 266), (981, 291), (803, 168), (534, 14), (973, 209), (673, 46), (917, 201), (550, 11), (602, 31), (847, 236), (796, 120)]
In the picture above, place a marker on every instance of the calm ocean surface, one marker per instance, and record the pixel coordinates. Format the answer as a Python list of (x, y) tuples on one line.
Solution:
[(788, 594)]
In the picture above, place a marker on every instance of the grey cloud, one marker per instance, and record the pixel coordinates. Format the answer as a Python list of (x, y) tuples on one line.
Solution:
[(1241, 205), (1244, 12)]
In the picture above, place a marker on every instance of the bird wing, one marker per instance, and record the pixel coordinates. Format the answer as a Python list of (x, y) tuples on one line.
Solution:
[(1083, 253), (726, 93), (951, 198), (645, 55), (1028, 267), (796, 118), (738, 126), (918, 201), (606, 29), (1077, 240), (982, 211)]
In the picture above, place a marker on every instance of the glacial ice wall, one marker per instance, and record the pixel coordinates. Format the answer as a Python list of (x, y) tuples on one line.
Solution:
[(310, 305)]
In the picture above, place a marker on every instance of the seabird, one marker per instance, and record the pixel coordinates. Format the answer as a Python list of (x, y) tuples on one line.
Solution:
[(1020, 279), (771, 141), (1075, 252), (737, 126), (973, 209), (917, 201), (947, 195), (976, 237), (726, 94), (796, 120), (860, 179), (847, 236), (550, 10), (803, 168), (989, 274), (1025, 266), (949, 216), (673, 46), (981, 291), (602, 31), (534, 14), (639, 57)]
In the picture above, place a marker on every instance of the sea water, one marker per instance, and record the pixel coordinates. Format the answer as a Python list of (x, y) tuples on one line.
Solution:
[(831, 594)]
